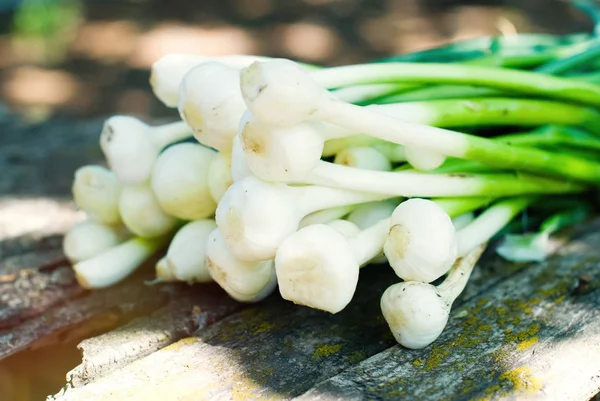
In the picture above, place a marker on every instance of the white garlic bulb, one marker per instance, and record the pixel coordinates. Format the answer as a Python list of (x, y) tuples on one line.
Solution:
[(421, 244)]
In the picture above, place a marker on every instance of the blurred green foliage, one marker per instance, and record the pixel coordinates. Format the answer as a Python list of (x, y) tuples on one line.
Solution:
[(49, 23)]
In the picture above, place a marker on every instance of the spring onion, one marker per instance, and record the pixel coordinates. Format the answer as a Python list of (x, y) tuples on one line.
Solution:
[(318, 267), (418, 312), (168, 72), (366, 158), (292, 155), (278, 92), (219, 175), (214, 118), (492, 220), (421, 244), (243, 281), (115, 264), (96, 191), (142, 213), (89, 238), (253, 234), (180, 180), (131, 146), (422, 159), (185, 258), (535, 247)]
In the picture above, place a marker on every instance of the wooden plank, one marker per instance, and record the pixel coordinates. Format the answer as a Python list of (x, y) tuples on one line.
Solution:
[(32, 283), (40, 302), (265, 349), (535, 336), (71, 318), (277, 350), (191, 308), (20, 245)]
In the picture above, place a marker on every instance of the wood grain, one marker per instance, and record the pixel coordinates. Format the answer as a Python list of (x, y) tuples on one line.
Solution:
[(534, 336), (507, 341)]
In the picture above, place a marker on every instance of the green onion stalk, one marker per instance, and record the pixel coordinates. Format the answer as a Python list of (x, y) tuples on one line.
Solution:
[(553, 135), (460, 91), (557, 54), (117, 263), (279, 93), (523, 82), (546, 136), (405, 92), (560, 66), (450, 113), (542, 48), (535, 247), (567, 139), (508, 52), (492, 220)]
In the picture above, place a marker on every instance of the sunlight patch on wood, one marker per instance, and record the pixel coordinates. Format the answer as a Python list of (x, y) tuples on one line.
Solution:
[(39, 216)]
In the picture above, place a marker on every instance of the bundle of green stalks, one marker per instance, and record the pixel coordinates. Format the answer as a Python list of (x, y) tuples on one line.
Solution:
[(289, 176)]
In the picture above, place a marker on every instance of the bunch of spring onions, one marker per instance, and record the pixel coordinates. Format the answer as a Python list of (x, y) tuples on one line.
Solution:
[(293, 177)]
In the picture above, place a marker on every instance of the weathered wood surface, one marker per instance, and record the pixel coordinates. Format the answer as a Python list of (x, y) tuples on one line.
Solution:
[(255, 353), (191, 308), (45, 304), (534, 336), (536, 333)]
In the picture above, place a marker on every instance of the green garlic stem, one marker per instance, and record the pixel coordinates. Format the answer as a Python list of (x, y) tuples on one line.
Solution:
[(313, 198), (560, 59), (505, 79), (408, 184), (368, 243), (564, 218), (500, 57), (422, 93), (364, 93), (457, 206), (563, 65), (495, 112), (522, 50), (440, 92), (543, 136), (590, 77), (476, 53), (552, 135), (492, 220), (457, 166), (463, 146)]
